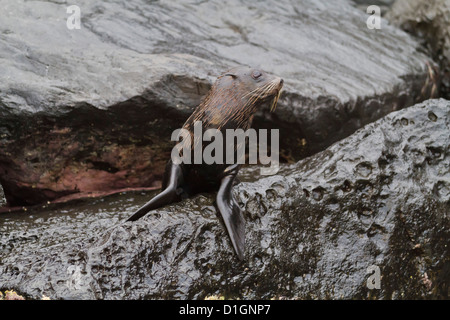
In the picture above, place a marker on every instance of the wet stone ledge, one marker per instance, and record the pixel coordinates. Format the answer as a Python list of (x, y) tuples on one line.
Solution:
[(378, 199)]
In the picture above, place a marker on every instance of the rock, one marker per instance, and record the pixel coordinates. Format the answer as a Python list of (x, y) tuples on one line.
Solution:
[(92, 109), (383, 4), (375, 203), (386, 3), (430, 22), (2, 197)]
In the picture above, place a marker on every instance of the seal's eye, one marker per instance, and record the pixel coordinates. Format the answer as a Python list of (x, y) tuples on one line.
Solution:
[(256, 74)]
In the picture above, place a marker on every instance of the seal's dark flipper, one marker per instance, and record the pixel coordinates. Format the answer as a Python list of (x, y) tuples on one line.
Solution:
[(231, 213), (169, 195)]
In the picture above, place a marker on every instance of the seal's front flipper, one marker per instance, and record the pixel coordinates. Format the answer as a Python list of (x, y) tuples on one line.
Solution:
[(169, 195), (231, 212)]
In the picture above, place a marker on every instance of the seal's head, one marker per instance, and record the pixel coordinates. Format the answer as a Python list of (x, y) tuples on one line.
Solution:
[(254, 85), (234, 98)]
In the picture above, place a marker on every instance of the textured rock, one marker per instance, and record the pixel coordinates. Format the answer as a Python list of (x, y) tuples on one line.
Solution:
[(2, 197), (380, 197), (430, 22), (92, 109)]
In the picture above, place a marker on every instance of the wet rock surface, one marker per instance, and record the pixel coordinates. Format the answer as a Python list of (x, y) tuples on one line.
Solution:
[(377, 199), (2, 197), (430, 22), (93, 109)]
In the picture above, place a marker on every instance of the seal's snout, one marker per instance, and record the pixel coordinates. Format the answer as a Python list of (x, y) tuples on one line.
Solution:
[(277, 92)]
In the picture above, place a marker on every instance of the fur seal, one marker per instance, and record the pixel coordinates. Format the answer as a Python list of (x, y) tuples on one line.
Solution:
[(230, 104)]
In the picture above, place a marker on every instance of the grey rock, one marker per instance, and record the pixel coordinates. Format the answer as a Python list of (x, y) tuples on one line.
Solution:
[(91, 109), (430, 22), (318, 229)]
